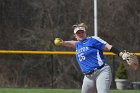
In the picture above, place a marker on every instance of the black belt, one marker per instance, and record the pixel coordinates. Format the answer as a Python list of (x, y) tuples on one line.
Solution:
[(89, 73)]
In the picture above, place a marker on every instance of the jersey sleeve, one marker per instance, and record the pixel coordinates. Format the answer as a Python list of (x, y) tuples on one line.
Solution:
[(98, 42)]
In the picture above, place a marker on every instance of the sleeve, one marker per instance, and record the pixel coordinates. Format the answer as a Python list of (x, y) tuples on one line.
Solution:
[(98, 42)]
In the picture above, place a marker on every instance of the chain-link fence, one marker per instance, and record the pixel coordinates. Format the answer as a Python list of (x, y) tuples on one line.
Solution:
[(49, 69)]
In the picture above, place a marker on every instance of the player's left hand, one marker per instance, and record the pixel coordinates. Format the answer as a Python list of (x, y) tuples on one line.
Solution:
[(131, 60)]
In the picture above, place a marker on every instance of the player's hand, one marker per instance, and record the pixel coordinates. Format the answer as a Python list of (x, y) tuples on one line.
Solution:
[(131, 60), (58, 41), (125, 55)]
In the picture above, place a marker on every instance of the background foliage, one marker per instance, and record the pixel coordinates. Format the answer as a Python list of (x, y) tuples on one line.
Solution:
[(121, 72)]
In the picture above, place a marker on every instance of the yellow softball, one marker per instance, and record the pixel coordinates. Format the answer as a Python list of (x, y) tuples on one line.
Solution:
[(57, 41)]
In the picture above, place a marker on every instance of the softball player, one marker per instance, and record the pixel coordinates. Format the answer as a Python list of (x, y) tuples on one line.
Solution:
[(89, 54)]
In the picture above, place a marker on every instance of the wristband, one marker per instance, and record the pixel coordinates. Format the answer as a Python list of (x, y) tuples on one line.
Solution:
[(115, 50)]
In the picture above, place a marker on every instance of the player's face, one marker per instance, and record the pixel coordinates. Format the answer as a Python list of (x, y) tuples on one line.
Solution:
[(80, 35)]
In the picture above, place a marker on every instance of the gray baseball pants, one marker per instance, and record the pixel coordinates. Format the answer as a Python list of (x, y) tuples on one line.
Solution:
[(101, 77)]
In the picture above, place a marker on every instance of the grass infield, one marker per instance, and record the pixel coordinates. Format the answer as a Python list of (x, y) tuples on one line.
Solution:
[(33, 90)]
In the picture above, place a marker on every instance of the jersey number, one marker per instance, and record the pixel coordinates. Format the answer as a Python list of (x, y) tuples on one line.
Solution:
[(81, 57)]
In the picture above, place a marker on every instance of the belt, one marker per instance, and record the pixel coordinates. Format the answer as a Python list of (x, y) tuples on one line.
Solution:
[(90, 72)]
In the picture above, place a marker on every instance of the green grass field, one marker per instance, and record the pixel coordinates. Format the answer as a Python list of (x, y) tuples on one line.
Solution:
[(21, 90)]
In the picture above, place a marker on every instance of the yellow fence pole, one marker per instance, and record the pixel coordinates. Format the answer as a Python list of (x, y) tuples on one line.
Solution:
[(48, 52), (36, 52)]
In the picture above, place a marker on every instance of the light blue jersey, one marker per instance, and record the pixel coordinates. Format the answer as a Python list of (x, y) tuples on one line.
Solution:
[(89, 53)]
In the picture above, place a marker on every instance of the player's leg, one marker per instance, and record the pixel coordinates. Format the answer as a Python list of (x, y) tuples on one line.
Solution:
[(103, 80), (88, 84)]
